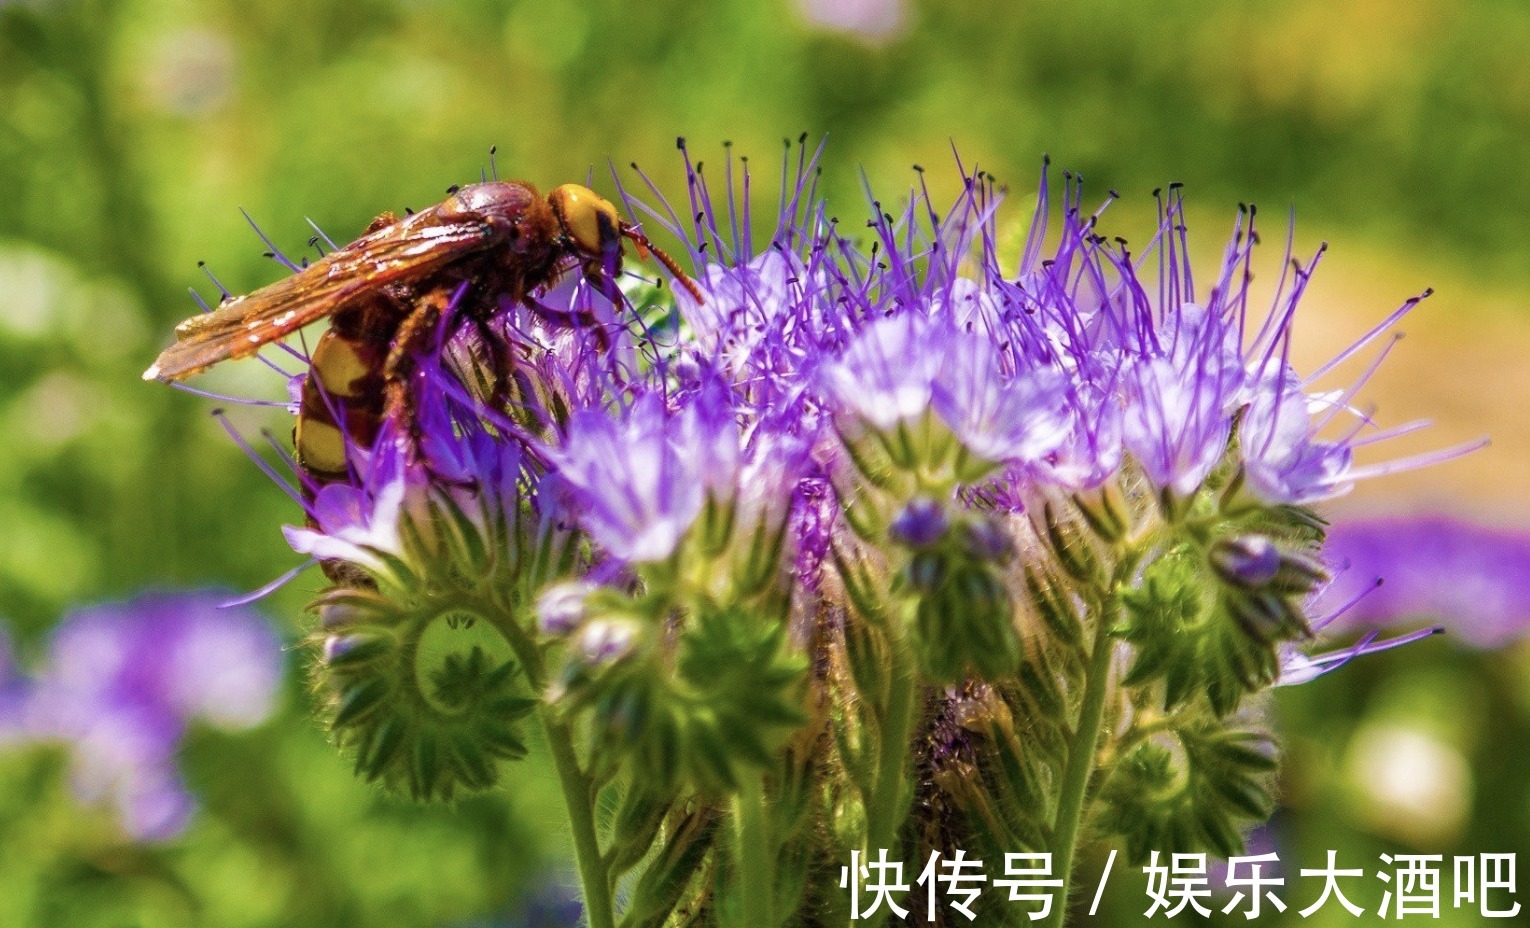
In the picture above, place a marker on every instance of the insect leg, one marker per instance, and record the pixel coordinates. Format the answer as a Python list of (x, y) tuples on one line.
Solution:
[(501, 365), (414, 336)]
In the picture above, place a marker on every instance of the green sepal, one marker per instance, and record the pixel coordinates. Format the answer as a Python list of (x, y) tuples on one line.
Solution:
[(360, 700), (1196, 799), (683, 850), (1072, 550)]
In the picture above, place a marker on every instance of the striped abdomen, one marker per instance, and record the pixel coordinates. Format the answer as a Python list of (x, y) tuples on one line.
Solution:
[(344, 395)]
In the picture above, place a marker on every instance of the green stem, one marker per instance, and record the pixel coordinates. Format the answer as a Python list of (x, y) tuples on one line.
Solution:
[(578, 798), (887, 809), (754, 856), (578, 789), (1081, 757)]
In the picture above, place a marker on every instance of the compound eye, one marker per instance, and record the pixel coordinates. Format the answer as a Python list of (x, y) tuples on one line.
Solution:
[(587, 218)]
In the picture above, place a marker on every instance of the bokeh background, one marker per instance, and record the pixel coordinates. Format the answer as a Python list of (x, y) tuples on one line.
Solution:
[(133, 131)]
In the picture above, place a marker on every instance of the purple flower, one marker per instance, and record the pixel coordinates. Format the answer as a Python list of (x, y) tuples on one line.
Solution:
[(356, 522), (1283, 460), (122, 683), (640, 476), (1181, 398), (903, 366), (1078, 363)]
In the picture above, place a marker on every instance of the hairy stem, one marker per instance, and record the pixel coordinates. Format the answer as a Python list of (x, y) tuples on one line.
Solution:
[(579, 799), (1081, 757), (578, 789), (887, 808), (754, 855)]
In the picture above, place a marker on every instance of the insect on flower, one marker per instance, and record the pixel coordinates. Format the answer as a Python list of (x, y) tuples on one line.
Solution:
[(487, 245)]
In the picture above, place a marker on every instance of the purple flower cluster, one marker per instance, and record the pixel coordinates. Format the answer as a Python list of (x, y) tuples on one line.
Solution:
[(122, 682), (992, 382)]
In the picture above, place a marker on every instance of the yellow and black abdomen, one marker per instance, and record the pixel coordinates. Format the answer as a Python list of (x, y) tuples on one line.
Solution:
[(344, 394)]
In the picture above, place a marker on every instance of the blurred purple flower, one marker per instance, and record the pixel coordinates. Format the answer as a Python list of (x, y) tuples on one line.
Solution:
[(123, 681), (14, 690), (871, 20), (1472, 579)]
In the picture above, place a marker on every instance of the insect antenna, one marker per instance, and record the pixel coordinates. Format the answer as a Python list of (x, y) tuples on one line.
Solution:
[(645, 248)]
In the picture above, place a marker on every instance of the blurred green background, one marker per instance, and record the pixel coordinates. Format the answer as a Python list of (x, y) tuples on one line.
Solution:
[(132, 131)]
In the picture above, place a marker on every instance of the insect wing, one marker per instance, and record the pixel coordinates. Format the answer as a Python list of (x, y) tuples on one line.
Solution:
[(417, 246)]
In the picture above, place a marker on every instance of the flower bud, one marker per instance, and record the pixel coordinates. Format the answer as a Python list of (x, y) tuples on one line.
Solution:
[(563, 608), (1299, 575), (926, 572), (334, 615), (1248, 561), (351, 650), (987, 540), (920, 524), (605, 641)]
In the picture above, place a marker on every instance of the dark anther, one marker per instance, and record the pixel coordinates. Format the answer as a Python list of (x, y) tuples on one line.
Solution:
[(700, 216), (680, 142), (1113, 194), (919, 168), (727, 143), (452, 189), (1176, 185), (802, 139), (1157, 191)]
